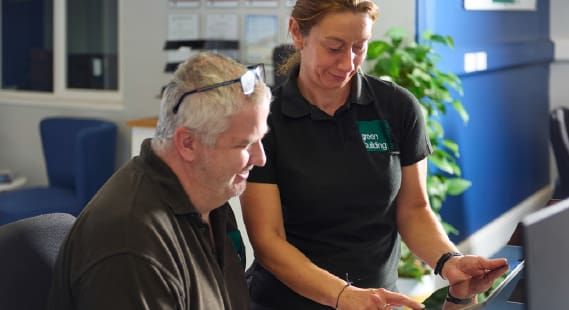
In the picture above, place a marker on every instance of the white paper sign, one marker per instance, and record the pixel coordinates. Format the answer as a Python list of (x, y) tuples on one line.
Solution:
[(262, 3), (223, 3), (517, 5), (260, 37), (183, 27), (184, 3), (222, 26)]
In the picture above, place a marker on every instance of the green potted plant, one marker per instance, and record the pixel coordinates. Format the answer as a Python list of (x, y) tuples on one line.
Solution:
[(413, 65)]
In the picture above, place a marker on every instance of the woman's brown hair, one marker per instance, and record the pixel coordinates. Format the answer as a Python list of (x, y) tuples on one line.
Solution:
[(309, 13)]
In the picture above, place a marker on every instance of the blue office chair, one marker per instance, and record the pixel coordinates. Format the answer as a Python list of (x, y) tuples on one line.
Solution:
[(79, 157), (559, 130), (29, 249)]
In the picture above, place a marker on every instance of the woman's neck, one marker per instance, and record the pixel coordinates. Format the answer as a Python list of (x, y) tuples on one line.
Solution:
[(327, 100)]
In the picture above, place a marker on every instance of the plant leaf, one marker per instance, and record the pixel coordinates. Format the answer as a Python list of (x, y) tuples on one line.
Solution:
[(376, 48), (396, 33), (452, 146), (457, 186), (414, 66), (457, 105)]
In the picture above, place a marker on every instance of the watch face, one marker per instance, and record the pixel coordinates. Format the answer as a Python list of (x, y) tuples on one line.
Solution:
[(475, 292)]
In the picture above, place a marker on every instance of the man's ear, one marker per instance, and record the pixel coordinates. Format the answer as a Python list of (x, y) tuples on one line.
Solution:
[(294, 29), (185, 141)]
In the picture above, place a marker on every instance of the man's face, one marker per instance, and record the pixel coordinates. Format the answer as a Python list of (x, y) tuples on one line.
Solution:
[(223, 168)]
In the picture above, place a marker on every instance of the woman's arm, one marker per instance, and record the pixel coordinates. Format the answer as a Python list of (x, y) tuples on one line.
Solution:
[(416, 222), (423, 233), (263, 218)]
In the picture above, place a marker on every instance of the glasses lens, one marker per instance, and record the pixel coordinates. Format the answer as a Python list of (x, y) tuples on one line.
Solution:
[(248, 82)]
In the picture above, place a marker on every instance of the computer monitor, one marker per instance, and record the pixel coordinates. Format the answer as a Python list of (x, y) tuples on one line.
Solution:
[(546, 251)]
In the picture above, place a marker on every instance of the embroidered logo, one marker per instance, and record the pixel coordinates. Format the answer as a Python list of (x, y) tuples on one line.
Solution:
[(376, 135)]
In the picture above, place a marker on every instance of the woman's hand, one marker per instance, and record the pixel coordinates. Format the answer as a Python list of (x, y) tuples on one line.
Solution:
[(354, 298), (466, 292), (460, 268)]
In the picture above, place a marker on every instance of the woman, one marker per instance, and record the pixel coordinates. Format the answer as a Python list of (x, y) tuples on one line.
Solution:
[(345, 176)]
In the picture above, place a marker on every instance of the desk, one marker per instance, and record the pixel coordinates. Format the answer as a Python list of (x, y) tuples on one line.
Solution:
[(141, 129), (16, 183)]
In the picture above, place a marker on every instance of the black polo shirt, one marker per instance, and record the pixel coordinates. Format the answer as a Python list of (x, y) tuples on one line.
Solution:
[(141, 244), (338, 177)]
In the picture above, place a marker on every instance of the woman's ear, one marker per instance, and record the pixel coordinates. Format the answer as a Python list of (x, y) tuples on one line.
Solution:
[(294, 30), (185, 141)]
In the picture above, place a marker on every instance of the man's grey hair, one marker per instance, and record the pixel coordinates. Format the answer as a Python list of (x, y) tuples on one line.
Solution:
[(205, 113)]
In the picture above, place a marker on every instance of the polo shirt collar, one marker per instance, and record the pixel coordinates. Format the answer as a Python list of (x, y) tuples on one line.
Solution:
[(168, 188), (296, 106)]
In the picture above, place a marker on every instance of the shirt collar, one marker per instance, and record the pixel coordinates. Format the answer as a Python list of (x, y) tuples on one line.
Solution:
[(168, 188), (296, 106)]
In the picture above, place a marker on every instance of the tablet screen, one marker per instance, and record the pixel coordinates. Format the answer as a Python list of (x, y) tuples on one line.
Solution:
[(483, 287)]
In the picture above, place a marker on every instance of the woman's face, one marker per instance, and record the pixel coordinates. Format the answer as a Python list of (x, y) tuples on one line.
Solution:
[(334, 49)]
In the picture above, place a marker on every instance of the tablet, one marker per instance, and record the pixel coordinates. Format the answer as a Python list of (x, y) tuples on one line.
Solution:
[(485, 288)]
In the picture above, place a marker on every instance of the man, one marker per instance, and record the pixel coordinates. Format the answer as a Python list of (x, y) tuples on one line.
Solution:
[(160, 233)]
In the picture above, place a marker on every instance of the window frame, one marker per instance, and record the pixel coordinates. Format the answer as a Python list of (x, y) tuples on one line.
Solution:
[(61, 95)]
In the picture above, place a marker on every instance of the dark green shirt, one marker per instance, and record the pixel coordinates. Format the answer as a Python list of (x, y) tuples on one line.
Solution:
[(338, 177), (140, 244)]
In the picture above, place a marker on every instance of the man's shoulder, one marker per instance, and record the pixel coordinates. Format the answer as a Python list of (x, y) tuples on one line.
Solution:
[(123, 218)]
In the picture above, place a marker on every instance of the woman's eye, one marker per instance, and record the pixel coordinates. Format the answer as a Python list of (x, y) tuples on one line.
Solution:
[(334, 49), (360, 48)]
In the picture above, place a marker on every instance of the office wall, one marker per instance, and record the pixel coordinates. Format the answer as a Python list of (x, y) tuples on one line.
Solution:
[(505, 147), (143, 31)]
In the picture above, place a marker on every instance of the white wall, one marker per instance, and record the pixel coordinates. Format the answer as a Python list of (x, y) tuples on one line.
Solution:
[(399, 13)]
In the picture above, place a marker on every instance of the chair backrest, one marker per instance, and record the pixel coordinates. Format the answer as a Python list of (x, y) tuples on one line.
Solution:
[(28, 249), (559, 130), (79, 153)]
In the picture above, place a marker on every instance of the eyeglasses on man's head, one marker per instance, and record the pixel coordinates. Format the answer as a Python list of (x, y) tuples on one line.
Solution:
[(247, 80)]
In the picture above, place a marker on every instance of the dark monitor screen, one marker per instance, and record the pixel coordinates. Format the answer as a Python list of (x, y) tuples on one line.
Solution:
[(546, 251)]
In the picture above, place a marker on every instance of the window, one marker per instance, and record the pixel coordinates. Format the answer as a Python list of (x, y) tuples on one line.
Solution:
[(33, 59)]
